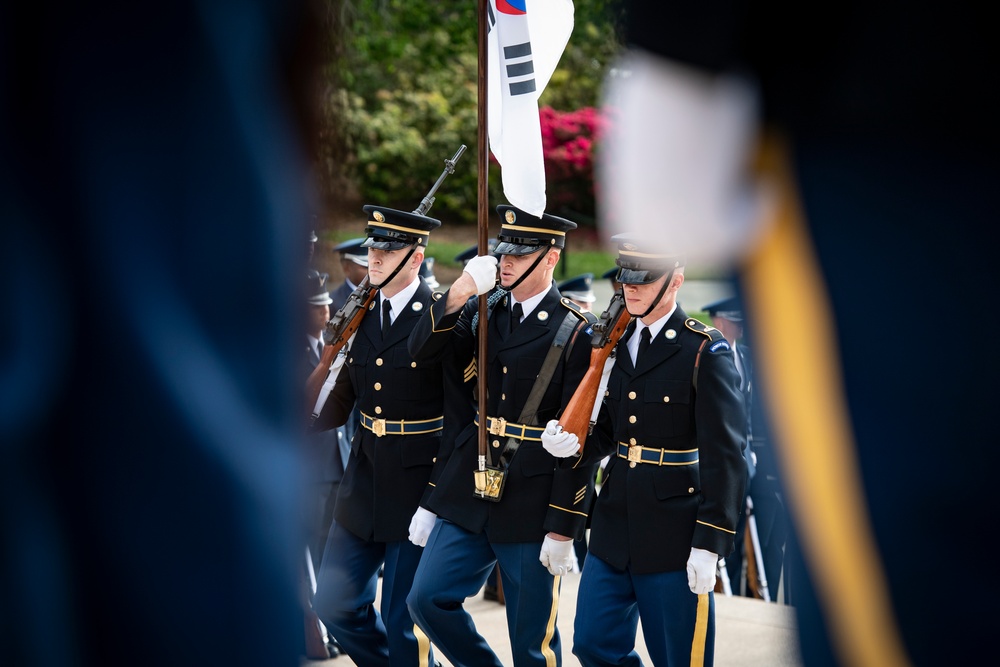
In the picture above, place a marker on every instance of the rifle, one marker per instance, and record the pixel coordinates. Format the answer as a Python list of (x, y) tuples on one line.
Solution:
[(607, 332), (316, 648), (347, 320)]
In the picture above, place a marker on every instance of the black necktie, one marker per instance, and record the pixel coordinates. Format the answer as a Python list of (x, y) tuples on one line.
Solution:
[(386, 317), (515, 316), (643, 343), (319, 349)]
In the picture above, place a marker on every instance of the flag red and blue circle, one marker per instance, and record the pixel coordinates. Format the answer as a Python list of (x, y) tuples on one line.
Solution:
[(516, 7)]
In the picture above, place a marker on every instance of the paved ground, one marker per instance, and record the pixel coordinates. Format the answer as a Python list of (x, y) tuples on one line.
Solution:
[(749, 633)]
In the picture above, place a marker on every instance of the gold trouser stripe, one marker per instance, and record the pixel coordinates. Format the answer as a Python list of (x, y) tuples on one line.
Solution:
[(550, 627), (423, 647), (811, 419), (700, 632)]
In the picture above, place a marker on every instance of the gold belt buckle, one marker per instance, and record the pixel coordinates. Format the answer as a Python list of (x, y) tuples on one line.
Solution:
[(635, 453), (378, 427), (497, 425)]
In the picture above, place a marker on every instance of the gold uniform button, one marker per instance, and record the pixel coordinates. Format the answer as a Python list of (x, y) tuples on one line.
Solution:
[(496, 443), (350, 360), (503, 397), (413, 364), (378, 386), (631, 441), (434, 460), (378, 362), (666, 399), (378, 410), (631, 395), (690, 489), (631, 464), (504, 369), (606, 393), (631, 419)]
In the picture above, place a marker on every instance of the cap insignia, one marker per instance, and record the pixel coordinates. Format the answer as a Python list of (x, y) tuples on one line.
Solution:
[(629, 246), (378, 216), (509, 216)]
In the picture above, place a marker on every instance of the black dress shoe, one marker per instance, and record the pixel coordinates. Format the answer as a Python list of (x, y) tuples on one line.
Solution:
[(334, 648)]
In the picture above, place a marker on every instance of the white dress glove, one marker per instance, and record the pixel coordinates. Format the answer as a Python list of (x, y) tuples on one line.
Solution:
[(421, 525), (557, 555), (483, 270), (558, 442), (701, 568)]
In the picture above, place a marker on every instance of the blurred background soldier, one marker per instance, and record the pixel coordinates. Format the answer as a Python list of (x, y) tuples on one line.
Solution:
[(579, 290), (611, 275), (765, 503), (392, 454), (528, 524), (354, 265), (674, 425), (326, 451), (427, 273)]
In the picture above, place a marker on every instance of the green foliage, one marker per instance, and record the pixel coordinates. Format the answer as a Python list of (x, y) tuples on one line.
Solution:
[(406, 93)]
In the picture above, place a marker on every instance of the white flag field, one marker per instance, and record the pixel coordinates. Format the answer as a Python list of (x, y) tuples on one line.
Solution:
[(526, 41)]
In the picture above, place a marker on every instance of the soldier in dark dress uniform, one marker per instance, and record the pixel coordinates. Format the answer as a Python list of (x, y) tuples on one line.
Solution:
[(764, 499), (542, 507), (673, 422), (392, 454)]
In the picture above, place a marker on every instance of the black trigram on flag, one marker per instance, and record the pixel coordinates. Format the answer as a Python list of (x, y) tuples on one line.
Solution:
[(517, 59), (519, 64)]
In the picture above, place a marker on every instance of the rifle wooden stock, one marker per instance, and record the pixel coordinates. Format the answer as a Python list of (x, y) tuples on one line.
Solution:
[(339, 331), (607, 332)]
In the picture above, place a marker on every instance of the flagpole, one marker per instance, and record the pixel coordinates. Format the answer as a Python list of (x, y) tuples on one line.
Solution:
[(483, 224)]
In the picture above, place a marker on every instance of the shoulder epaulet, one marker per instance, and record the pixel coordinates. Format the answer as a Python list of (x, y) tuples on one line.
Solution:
[(716, 341), (589, 318), (437, 295)]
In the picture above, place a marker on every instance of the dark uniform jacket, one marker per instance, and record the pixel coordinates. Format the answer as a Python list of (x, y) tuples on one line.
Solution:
[(647, 516), (386, 476), (541, 494)]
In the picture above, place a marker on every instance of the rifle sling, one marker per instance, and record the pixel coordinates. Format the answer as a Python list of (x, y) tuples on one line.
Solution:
[(528, 412)]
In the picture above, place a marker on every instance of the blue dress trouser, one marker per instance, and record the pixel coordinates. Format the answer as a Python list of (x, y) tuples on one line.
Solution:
[(678, 626), (454, 567), (345, 600)]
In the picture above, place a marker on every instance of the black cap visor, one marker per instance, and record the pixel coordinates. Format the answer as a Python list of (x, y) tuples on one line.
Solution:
[(515, 248), (627, 276), (381, 239)]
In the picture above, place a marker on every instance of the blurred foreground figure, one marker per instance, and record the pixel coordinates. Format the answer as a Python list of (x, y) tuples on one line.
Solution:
[(150, 168), (866, 180)]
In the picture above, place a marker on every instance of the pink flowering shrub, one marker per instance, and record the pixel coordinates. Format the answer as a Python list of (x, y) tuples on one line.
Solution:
[(568, 142)]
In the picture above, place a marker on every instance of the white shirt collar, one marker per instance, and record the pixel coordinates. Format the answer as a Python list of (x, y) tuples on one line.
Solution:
[(654, 330), (529, 304), (401, 298)]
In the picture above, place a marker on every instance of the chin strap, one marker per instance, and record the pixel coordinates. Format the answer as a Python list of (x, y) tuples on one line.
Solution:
[(538, 260), (656, 301), (413, 249)]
